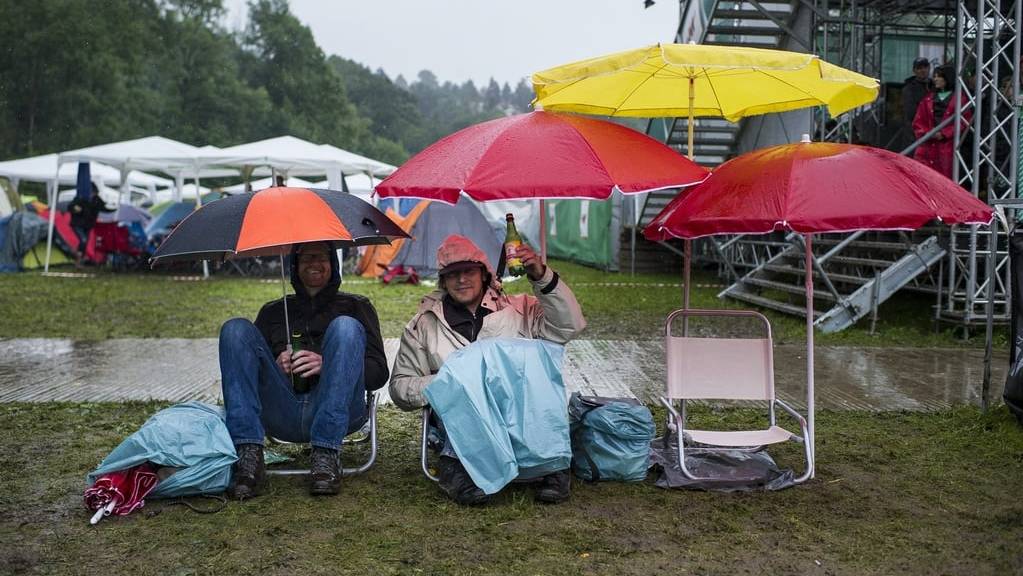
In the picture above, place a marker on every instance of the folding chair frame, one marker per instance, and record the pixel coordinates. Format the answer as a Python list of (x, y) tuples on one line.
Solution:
[(371, 437), (677, 417), (424, 449)]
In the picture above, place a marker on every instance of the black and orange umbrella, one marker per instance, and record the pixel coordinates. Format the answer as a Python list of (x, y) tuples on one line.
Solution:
[(271, 221)]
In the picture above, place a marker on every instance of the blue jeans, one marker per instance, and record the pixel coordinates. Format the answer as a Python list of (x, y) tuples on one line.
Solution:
[(82, 234), (259, 399)]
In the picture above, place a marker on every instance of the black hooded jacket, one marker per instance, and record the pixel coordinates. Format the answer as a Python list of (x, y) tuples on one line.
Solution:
[(312, 315)]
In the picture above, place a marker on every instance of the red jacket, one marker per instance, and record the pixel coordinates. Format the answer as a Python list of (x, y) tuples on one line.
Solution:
[(937, 152)]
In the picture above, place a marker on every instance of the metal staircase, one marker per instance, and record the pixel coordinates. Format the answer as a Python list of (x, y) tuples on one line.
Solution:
[(715, 140), (853, 274)]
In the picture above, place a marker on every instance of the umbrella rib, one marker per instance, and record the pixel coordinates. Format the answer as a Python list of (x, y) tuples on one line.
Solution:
[(714, 91), (794, 87), (640, 85)]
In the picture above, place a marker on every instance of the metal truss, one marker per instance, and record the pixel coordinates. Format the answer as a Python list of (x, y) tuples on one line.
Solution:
[(986, 155)]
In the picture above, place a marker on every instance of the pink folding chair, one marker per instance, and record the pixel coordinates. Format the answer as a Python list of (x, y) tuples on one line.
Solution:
[(724, 368)]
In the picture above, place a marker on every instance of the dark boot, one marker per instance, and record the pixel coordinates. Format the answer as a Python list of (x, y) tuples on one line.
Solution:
[(555, 488), (248, 474), (325, 471), (456, 483)]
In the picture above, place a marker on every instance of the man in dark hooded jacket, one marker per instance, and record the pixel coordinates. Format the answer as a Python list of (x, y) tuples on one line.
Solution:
[(84, 213), (317, 394)]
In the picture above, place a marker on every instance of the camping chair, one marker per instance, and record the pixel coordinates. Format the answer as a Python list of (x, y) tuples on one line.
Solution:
[(368, 433), (427, 444), (724, 368)]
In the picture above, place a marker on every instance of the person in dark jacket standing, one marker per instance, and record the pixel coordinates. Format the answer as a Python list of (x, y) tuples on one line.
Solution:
[(913, 91), (84, 212), (341, 356)]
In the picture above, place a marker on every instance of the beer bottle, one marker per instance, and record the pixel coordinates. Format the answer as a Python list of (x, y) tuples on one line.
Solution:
[(512, 240), (298, 383)]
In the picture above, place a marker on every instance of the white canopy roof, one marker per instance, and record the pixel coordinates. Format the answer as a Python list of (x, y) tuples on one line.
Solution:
[(262, 183), (358, 185), (379, 169), (288, 154), (44, 169), (296, 157), (151, 153)]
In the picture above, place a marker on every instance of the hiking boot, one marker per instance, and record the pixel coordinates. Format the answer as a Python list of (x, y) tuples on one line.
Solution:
[(248, 474), (325, 471), (555, 488), (456, 483)]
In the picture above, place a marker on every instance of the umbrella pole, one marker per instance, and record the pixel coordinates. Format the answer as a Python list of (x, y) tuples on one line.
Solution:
[(543, 232), (102, 511), (692, 98), (284, 298), (808, 280), (686, 275), (632, 243)]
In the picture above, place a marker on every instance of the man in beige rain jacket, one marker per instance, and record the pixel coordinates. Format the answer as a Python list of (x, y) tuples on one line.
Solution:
[(468, 305)]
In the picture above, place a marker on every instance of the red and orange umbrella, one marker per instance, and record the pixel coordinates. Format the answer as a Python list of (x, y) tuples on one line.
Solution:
[(272, 221)]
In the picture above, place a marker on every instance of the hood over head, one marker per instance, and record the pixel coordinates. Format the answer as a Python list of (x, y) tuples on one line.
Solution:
[(333, 284), (457, 252)]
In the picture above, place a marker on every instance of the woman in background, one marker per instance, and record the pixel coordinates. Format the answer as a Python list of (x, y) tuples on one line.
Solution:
[(937, 152)]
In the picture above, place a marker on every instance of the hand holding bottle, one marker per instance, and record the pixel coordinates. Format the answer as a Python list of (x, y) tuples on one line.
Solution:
[(530, 261)]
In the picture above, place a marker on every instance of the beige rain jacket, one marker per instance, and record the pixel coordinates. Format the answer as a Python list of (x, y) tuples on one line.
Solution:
[(428, 339)]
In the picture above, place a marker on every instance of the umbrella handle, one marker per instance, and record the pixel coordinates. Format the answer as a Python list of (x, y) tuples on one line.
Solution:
[(103, 511)]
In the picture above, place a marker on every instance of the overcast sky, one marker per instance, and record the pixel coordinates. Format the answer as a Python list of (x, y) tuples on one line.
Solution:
[(477, 39)]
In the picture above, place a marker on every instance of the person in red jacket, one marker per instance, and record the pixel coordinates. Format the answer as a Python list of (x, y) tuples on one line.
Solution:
[(933, 109)]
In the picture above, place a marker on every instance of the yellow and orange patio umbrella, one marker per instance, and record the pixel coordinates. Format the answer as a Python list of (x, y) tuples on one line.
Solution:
[(693, 80)]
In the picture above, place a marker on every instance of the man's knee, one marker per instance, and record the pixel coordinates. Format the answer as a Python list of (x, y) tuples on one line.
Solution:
[(236, 329), (345, 329)]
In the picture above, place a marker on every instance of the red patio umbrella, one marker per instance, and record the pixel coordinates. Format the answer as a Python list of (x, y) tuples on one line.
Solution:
[(541, 155), (815, 188)]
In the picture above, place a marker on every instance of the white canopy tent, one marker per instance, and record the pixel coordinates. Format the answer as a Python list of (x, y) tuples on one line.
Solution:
[(150, 153), (285, 155), (154, 153), (291, 156), (45, 169)]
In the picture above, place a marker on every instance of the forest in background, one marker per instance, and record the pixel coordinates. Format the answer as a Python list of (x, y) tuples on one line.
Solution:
[(77, 73)]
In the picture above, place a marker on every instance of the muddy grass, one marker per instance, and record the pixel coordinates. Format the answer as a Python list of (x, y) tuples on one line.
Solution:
[(895, 493)]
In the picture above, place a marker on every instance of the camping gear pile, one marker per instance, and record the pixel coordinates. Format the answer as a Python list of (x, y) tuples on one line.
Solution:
[(183, 450)]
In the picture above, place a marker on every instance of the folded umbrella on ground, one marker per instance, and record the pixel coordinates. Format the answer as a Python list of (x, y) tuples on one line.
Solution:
[(120, 492)]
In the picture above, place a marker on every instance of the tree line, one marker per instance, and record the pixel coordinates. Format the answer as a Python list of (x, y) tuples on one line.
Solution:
[(76, 73)]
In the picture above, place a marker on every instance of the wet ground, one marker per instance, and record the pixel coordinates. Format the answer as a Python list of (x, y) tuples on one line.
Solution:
[(847, 378)]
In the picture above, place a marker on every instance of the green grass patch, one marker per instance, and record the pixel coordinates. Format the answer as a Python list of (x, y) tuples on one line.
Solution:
[(616, 305), (895, 493)]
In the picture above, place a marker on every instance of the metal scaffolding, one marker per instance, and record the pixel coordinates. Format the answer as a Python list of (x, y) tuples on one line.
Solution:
[(982, 39)]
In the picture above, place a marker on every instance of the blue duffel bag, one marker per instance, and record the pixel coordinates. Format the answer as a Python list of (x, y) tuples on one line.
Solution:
[(610, 438)]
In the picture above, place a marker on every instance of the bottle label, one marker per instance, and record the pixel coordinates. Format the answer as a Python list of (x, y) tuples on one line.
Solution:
[(513, 262)]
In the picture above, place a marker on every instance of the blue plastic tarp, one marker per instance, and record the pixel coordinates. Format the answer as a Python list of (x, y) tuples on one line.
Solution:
[(503, 404), (191, 437)]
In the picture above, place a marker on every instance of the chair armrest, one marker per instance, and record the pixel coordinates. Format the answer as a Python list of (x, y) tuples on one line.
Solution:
[(795, 415)]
